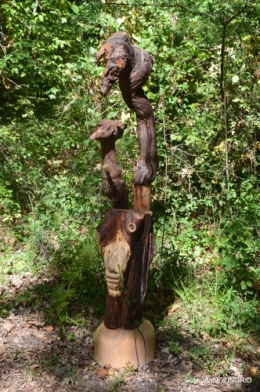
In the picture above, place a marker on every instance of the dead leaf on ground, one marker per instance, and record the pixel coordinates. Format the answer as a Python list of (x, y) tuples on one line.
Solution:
[(230, 345), (66, 381), (34, 366), (88, 367), (8, 327), (102, 373), (49, 328), (173, 308), (253, 371), (2, 348)]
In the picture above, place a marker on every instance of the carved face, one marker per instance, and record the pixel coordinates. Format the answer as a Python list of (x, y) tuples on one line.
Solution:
[(116, 233), (116, 256), (111, 74), (116, 52)]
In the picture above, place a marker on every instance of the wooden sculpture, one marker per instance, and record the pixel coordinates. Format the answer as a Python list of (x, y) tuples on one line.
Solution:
[(126, 242), (131, 66), (107, 132), (125, 235)]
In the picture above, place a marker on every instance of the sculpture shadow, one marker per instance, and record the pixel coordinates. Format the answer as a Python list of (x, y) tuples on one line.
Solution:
[(166, 272)]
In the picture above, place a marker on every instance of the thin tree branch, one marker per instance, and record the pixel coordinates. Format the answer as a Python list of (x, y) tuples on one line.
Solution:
[(17, 85), (35, 7)]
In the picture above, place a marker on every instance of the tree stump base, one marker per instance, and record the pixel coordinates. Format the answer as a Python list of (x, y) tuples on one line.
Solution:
[(118, 348)]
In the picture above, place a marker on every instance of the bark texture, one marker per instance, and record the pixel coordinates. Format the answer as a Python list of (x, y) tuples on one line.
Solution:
[(131, 66), (127, 243), (107, 132)]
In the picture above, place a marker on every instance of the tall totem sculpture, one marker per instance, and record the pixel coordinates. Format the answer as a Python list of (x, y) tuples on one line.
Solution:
[(125, 235)]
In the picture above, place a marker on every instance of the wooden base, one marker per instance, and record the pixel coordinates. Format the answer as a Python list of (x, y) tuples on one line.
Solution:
[(118, 348)]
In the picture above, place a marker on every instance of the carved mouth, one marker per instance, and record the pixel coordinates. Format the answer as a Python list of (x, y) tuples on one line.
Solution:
[(106, 87), (113, 280), (112, 275)]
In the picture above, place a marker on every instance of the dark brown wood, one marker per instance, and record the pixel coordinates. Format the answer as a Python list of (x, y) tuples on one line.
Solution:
[(127, 244), (126, 236), (131, 66), (107, 132)]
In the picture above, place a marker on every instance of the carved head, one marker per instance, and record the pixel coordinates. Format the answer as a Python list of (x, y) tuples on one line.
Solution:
[(117, 52), (107, 129)]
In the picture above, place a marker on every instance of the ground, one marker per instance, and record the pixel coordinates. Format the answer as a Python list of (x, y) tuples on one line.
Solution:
[(38, 357)]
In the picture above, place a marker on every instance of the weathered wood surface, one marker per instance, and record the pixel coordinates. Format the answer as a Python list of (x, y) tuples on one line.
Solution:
[(131, 66), (142, 197), (127, 244), (107, 132)]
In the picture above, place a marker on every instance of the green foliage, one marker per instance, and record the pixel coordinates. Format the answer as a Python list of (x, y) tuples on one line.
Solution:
[(206, 194), (215, 308), (77, 268), (174, 347)]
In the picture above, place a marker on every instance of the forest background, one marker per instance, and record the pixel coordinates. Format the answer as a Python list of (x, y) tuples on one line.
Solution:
[(204, 89)]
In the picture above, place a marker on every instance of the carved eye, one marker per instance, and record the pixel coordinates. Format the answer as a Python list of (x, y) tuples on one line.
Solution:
[(113, 71), (114, 133), (131, 227)]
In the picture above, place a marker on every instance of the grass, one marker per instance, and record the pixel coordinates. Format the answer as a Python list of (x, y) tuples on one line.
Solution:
[(74, 272), (213, 308), (210, 324)]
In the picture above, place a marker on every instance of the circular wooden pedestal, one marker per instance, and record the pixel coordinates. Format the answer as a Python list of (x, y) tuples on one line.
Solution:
[(118, 348)]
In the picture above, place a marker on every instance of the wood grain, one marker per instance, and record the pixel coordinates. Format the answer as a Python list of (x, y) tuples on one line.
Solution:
[(131, 232), (107, 132), (131, 66)]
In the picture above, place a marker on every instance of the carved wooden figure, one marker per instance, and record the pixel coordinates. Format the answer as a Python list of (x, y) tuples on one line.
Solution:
[(126, 242), (131, 66), (126, 236), (107, 132)]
